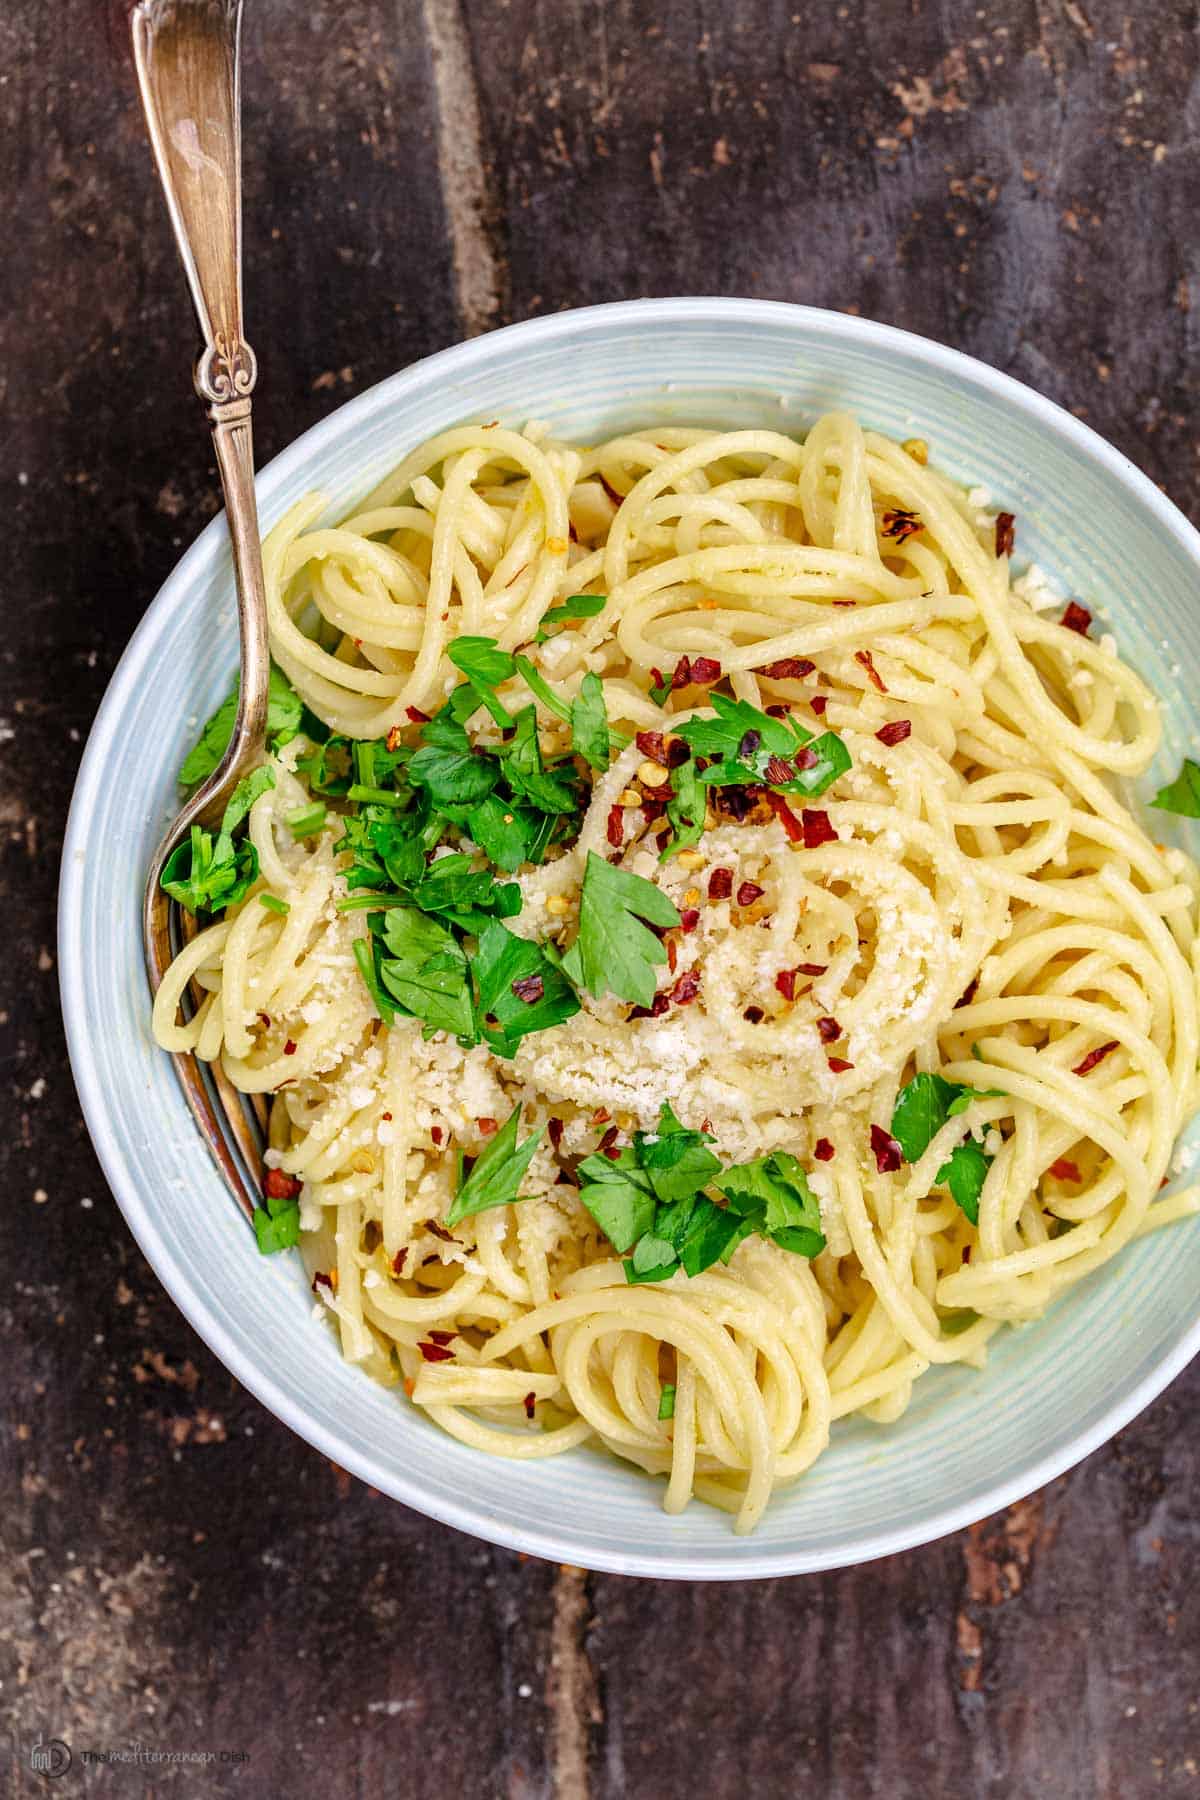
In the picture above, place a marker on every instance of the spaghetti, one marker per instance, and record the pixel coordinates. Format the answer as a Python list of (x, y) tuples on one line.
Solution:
[(971, 901)]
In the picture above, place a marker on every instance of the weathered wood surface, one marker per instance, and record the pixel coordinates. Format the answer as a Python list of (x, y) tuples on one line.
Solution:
[(1019, 179)]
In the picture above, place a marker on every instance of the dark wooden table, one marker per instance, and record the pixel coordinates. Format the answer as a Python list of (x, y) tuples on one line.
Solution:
[(1017, 178)]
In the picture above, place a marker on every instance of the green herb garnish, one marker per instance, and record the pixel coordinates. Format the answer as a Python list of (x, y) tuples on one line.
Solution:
[(575, 606), (615, 952), (306, 821), (922, 1107), (485, 666), (520, 989), (1182, 795), (284, 713), (666, 1401), (751, 747), (207, 874), (497, 1173), (277, 1225), (274, 904), (424, 969), (589, 723)]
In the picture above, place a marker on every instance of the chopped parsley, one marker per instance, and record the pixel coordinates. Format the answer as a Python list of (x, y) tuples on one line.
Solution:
[(285, 711), (277, 1225), (575, 606), (207, 874), (498, 1172), (666, 1400), (615, 952), (589, 723), (520, 988), (749, 747), (1182, 795), (922, 1107)]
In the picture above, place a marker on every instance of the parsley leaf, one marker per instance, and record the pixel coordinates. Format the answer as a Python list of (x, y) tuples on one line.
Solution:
[(485, 665), (504, 831), (749, 746), (666, 1401), (425, 971), (772, 1193), (537, 684), (503, 959), (618, 1196), (277, 1225), (589, 723), (922, 1107), (526, 773), (675, 1160), (448, 769), (965, 1174), (1182, 795), (685, 809), (467, 896), (204, 874), (284, 713), (497, 1173), (575, 606), (614, 951)]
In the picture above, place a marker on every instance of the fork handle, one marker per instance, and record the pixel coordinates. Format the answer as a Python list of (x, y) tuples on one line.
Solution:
[(187, 55)]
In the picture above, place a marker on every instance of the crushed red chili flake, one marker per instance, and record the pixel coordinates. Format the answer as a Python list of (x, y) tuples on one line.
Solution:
[(828, 1030), (1005, 533), (806, 757), (776, 712), (289, 1049), (651, 745), (678, 752), (672, 954), (787, 668), (417, 716), (754, 1014), (748, 893), (554, 1131), (888, 1154), (399, 1260), (529, 1402), (778, 771), (818, 703), (436, 1133), (681, 674), (656, 678), (895, 733), (1076, 618), (785, 981), (900, 523), (530, 989), (1093, 1057), (689, 918), (265, 1017), (1063, 1169), (615, 831), (720, 884), (873, 675), (705, 670), (439, 1231), (793, 829), (435, 1352), (393, 739), (817, 829), (601, 1116), (280, 1186), (811, 968), (845, 603), (654, 1011), (969, 992), (823, 1150), (321, 1279), (750, 744), (654, 805), (838, 1064), (608, 1142), (686, 988), (443, 1337), (487, 1127)]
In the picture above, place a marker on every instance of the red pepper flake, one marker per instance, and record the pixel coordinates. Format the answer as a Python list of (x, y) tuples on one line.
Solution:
[(417, 716), (806, 757), (818, 703), (817, 829), (487, 1127), (601, 1116), (530, 989), (1077, 618), (899, 524), (823, 1150), (681, 674), (653, 806), (1093, 1057), (778, 771), (1063, 1169), (322, 1280), (888, 1154), (838, 1064), (828, 1030), (895, 733), (280, 1186), (785, 981), (289, 1049), (529, 1402), (436, 1133), (811, 968), (399, 1260), (393, 739), (793, 829), (651, 745), (385, 1115), (845, 603), (689, 919), (787, 668), (1005, 533), (672, 954), (678, 752), (873, 675), (749, 892), (265, 1017), (705, 670), (686, 988), (655, 1010), (443, 1337), (720, 884), (439, 1231), (616, 827), (777, 712), (754, 1014), (969, 992), (435, 1352), (608, 1143), (656, 677), (554, 1131)]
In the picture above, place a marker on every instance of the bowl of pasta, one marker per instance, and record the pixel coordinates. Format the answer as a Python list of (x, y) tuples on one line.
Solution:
[(711, 944)]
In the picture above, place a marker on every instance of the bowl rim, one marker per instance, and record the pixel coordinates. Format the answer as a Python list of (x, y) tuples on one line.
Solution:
[(468, 1513)]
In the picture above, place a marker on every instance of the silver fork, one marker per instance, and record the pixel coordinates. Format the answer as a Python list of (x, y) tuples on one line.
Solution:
[(187, 57)]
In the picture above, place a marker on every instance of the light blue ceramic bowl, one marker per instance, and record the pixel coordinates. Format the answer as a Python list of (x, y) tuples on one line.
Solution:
[(970, 1443)]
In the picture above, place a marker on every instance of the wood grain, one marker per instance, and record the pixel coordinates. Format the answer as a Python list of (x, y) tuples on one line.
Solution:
[(1018, 179)]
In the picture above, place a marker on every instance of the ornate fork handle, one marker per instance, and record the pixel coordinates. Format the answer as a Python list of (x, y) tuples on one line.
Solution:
[(187, 54)]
